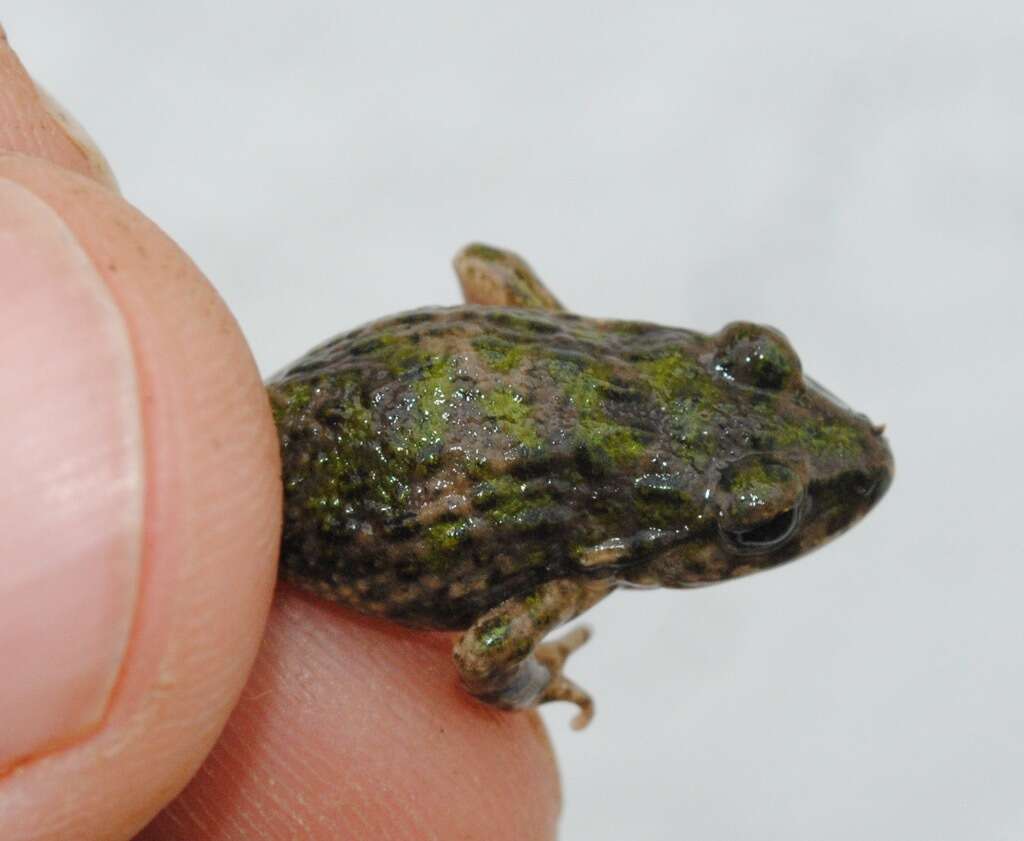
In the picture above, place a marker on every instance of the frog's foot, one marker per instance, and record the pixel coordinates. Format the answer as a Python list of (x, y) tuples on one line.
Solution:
[(552, 656), (499, 278), (501, 662)]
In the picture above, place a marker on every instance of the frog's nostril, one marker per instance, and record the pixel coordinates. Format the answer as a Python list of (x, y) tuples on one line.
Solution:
[(880, 486), (867, 488)]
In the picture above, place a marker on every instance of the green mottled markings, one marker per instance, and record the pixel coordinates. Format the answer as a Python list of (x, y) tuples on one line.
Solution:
[(493, 634), (434, 390), (512, 415), (287, 403), (676, 375), (584, 385), (504, 498), (501, 355), (810, 433), (397, 352), (537, 609), (822, 439), (667, 500), (692, 431), (444, 541), (754, 487), (298, 397), (485, 252), (755, 479), (337, 467), (692, 401)]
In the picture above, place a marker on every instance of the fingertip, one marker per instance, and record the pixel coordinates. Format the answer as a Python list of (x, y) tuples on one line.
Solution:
[(368, 725)]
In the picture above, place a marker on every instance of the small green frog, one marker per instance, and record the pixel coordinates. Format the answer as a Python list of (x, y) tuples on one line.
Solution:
[(499, 467)]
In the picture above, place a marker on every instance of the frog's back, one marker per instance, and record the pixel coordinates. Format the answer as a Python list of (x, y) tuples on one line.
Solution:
[(440, 461)]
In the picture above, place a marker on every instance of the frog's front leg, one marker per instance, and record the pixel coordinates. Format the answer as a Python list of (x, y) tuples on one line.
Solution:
[(499, 658)]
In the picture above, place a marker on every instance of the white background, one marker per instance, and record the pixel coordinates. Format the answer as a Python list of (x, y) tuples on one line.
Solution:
[(849, 171)]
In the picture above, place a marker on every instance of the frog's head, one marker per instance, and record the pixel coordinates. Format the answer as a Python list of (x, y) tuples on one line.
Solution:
[(788, 465)]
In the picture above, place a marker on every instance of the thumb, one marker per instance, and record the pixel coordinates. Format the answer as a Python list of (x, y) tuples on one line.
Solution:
[(139, 506)]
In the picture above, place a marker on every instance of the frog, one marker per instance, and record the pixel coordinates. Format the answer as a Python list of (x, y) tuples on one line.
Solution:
[(498, 468)]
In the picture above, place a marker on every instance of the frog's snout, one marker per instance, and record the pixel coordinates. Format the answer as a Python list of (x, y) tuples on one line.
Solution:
[(884, 466), (857, 485)]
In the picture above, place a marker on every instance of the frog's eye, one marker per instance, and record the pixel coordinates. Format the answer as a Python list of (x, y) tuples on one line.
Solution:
[(761, 503), (765, 536), (756, 356)]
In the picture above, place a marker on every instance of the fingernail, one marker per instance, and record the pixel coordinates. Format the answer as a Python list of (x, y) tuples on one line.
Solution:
[(71, 493)]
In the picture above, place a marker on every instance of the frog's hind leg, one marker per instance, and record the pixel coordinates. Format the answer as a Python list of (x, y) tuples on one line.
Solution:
[(500, 278), (499, 658)]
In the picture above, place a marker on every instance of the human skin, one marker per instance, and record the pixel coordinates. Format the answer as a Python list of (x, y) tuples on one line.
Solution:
[(215, 708)]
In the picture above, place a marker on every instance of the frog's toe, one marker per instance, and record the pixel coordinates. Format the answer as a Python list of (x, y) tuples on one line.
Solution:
[(552, 655), (560, 688)]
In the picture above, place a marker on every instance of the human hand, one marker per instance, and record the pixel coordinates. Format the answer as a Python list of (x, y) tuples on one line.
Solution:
[(140, 509)]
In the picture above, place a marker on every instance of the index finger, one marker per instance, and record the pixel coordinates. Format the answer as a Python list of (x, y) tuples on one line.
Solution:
[(356, 728)]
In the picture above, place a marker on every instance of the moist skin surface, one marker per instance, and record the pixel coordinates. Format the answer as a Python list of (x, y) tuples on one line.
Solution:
[(500, 467)]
